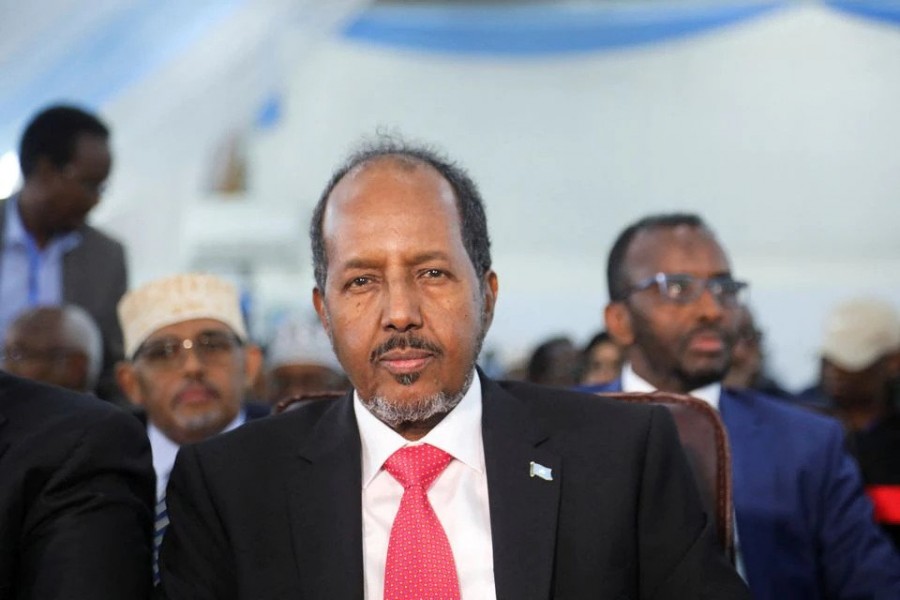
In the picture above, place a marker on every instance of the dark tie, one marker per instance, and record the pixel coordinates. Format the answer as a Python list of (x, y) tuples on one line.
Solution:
[(159, 529), (420, 562)]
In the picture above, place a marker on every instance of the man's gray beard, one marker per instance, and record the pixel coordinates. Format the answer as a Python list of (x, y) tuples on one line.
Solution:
[(194, 423), (394, 413)]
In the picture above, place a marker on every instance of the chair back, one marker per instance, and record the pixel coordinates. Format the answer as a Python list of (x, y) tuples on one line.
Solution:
[(705, 443), (292, 402)]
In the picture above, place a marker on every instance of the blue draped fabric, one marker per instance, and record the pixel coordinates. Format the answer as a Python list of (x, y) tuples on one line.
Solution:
[(879, 10), (544, 29), (108, 56)]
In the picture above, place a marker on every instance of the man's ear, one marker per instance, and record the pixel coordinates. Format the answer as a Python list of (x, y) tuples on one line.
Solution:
[(126, 377), (77, 367), (253, 360), (490, 288), (618, 323), (318, 298)]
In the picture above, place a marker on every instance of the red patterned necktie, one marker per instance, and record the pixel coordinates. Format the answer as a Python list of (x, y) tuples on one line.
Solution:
[(420, 562)]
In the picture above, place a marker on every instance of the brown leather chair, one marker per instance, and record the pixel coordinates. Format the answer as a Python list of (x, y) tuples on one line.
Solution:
[(705, 443)]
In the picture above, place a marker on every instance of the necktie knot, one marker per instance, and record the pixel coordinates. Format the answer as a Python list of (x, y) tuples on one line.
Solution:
[(417, 465)]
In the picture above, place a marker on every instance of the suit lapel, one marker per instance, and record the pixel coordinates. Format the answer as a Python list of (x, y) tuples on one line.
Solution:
[(523, 508), (752, 463), (4, 385), (4, 444), (73, 276), (323, 485)]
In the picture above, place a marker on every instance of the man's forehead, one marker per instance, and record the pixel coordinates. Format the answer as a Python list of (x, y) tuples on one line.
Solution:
[(190, 327), (397, 172), (388, 187), (34, 333), (686, 245)]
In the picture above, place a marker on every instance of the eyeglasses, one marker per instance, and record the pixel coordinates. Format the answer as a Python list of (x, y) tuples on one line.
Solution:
[(684, 289), (18, 355), (210, 347)]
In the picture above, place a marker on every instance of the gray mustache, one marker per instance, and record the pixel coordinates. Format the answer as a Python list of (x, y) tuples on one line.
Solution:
[(401, 342)]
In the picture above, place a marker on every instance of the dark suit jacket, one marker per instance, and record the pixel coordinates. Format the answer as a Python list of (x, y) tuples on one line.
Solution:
[(76, 497), (805, 528), (95, 277), (273, 509)]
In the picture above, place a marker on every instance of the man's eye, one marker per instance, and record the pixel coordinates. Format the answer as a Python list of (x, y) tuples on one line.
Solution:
[(359, 282), (216, 342), (160, 351), (433, 273), (675, 289)]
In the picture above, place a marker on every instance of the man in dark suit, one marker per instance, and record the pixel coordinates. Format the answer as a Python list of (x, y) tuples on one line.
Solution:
[(429, 480), (804, 527), (48, 253), (76, 496)]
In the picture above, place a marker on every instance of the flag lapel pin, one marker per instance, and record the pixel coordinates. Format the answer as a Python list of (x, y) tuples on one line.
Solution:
[(538, 470)]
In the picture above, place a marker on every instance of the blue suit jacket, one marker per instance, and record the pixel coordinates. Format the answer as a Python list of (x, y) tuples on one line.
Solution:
[(805, 527)]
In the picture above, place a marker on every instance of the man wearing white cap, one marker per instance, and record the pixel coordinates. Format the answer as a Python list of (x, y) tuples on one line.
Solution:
[(860, 352), (301, 362), (188, 365), (862, 340)]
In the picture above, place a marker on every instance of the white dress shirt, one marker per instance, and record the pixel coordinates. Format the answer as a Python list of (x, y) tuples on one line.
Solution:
[(459, 495), (165, 450), (632, 382)]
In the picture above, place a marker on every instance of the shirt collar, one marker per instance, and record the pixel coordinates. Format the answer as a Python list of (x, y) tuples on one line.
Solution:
[(458, 434), (632, 382), (13, 231), (15, 234)]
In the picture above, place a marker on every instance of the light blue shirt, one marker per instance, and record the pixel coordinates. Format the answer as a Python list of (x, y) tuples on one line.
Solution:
[(29, 276)]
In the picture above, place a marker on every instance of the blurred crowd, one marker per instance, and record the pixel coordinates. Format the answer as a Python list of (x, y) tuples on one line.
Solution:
[(177, 355)]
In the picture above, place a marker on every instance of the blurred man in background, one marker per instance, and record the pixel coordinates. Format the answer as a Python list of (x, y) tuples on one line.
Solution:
[(189, 368), (55, 344), (602, 360), (859, 361), (860, 356), (48, 254), (748, 368), (804, 526), (301, 362), (554, 362)]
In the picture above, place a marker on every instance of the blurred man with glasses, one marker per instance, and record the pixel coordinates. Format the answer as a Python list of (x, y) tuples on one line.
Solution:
[(805, 529), (61, 345), (49, 255), (189, 365)]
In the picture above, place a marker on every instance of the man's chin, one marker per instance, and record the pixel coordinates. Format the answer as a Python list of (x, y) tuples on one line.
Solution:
[(701, 376), (199, 421), (414, 402)]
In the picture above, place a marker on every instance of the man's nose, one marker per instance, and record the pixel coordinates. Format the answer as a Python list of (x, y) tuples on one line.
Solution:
[(191, 363), (709, 306), (402, 308)]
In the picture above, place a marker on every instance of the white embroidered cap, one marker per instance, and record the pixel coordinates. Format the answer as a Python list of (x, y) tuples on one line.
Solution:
[(299, 341), (175, 299)]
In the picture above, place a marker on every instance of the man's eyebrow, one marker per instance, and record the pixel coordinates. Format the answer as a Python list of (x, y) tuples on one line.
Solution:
[(363, 263), (428, 256), (360, 263)]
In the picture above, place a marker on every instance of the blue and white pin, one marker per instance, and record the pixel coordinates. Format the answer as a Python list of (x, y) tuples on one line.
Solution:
[(539, 470)]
